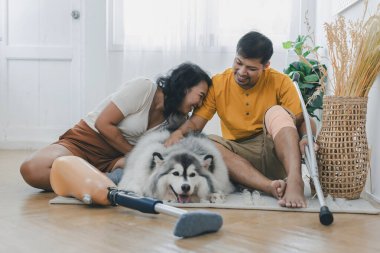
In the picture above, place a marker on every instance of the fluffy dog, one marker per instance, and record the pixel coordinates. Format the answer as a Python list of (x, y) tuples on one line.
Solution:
[(190, 171)]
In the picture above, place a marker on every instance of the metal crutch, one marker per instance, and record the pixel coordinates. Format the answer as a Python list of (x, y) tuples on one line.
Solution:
[(325, 216)]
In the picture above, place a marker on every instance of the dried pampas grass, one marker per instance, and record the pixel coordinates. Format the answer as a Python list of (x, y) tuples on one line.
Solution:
[(354, 51)]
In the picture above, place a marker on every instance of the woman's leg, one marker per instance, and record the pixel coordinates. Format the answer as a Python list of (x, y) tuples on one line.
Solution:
[(117, 170), (36, 169)]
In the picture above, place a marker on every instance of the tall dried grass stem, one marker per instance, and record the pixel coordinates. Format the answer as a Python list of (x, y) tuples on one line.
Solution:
[(354, 52)]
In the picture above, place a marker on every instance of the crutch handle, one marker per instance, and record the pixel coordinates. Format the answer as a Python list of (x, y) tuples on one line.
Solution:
[(296, 77), (325, 216), (132, 200)]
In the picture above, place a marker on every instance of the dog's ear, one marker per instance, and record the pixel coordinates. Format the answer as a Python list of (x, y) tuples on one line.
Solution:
[(208, 163), (157, 160)]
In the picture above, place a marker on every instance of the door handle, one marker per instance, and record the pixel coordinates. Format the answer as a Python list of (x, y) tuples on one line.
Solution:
[(75, 14)]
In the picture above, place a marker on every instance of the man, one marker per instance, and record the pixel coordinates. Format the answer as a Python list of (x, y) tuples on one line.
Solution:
[(260, 113)]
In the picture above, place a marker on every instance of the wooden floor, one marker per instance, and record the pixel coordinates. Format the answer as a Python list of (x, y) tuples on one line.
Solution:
[(29, 224)]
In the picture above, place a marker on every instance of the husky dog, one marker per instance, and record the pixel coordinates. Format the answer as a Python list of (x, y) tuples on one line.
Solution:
[(190, 171)]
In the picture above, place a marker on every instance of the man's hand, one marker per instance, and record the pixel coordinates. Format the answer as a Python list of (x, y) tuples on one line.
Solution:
[(175, 137), (195, 123), (303, 142)]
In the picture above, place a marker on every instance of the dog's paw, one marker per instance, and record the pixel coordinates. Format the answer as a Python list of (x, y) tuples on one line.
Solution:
[(217, 197)]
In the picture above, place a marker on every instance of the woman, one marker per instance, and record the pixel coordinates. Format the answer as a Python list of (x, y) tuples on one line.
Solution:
[(109, 132)]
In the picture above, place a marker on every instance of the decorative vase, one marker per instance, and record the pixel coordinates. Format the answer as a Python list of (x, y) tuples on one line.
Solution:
[(343, 157)]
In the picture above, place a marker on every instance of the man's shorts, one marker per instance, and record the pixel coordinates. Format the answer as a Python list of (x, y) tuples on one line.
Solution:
[(259, 151), (84, 142)]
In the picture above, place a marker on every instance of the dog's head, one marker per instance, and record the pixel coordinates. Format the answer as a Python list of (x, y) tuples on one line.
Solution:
[(181, 177)]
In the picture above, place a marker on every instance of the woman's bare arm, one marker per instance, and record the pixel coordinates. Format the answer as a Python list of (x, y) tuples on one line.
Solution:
[(106, 124)]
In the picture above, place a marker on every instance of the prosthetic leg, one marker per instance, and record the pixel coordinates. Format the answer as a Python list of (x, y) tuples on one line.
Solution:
[(72, 176), (325, 216)]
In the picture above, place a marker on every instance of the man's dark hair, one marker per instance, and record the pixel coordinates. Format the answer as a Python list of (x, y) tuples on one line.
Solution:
[(176, 84), (255, 45)]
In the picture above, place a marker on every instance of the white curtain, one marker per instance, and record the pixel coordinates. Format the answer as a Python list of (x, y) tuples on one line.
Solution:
[(156, 35), (204, 25)]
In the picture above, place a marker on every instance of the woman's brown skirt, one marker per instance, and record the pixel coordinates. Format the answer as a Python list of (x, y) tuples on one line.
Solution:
[(84, 142)]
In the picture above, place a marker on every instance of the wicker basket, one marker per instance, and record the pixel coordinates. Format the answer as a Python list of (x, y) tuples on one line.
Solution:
[(343, 149)]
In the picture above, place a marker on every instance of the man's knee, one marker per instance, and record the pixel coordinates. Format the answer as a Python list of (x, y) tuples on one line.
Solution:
[(223, 146), (277, 118), (223, 150)]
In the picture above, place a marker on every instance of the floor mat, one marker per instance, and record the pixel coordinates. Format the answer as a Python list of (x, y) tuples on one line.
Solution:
[(255, 200)]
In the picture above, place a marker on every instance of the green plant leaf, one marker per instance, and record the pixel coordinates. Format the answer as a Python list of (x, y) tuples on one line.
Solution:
[(306, 53), (288, 70), (311, 110), (287, 44), (311, 78), (306, 85), (313, 62), (315, 49), (317, 101), (298, 48), (305, 68)]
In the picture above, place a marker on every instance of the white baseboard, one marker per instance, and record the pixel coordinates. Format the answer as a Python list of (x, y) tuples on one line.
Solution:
[(373, 197), (28, 137), (22, 145)]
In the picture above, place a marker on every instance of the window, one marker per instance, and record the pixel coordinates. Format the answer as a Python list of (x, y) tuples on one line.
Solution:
[(199, 25)]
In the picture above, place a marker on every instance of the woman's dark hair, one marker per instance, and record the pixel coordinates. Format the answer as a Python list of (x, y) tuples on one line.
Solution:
[(176, 84), (255, 45)]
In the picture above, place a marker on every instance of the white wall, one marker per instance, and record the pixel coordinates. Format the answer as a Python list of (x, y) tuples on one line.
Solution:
[(324, 14), (373, 121)]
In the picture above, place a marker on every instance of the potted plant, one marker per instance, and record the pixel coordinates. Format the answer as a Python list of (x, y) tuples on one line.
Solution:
[(343, 154), (312, 73)]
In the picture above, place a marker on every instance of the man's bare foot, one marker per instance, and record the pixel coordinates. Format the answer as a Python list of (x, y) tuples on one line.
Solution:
[(277, 188), (294, 195)]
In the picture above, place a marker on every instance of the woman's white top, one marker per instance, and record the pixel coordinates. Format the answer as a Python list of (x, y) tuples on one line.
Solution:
[(134, 100)]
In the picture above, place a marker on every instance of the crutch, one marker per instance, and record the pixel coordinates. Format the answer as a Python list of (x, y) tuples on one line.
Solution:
[(71, 176), (325, 216)]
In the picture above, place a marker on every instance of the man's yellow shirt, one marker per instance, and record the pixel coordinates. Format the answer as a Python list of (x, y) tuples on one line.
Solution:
[(242, 111)]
